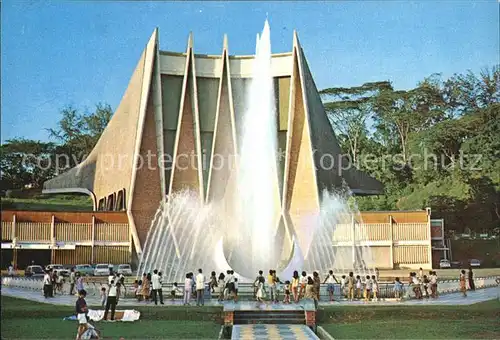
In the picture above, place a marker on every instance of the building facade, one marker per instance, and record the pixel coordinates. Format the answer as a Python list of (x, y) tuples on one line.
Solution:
[(397, 239), (180, 104)]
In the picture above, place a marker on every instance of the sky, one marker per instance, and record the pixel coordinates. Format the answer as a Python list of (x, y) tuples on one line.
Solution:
[(78, 53)]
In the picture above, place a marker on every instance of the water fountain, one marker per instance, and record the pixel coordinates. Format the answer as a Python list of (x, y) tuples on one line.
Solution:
[(187, 234)]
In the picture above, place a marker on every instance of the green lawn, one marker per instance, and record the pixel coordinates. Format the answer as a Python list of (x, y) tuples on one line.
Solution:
[(49, 203), (22, 319), (478, 321)]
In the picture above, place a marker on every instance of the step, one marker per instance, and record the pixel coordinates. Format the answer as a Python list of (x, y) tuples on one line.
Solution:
[(266, 331)]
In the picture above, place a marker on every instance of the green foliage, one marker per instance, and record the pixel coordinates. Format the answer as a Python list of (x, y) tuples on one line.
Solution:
[(437, 145), (28, 163)]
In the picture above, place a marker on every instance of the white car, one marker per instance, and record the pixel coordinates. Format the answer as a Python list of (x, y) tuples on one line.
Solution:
[(54, 266), (444, 264), (101, 270), (475, 263), (124, 269)]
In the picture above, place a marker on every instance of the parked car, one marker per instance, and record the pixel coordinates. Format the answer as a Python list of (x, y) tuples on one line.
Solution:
[(444, 263), (63, 271), (475, 263), (124, 269), (54, 266), (101, 269), (34, 271), (456, 264), (84, 269)]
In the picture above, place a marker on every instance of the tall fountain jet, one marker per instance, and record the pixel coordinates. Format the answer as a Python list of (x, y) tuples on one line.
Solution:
[(256, 171), (240, 230)]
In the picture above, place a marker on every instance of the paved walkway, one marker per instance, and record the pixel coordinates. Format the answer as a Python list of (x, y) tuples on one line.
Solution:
[(287, 332), (448, 299)]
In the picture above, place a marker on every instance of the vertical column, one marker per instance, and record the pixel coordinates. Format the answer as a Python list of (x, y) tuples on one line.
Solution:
[(14, 241), (53, 239), (353, 240), (92, 240), (429, 239), (391, 238)]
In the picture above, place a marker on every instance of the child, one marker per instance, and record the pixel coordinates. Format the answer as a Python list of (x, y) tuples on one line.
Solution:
[(134, 288), (287, 292), (213, 282), (358, 287), (138, 293), (330, 280), (221, 285), (303, 283), (463, 289), (398, 287), (235, 289), (260, 290), (368, 288), (374, 287), (103, 296), (60, 282), (342, 286), (426, 286), (175, 290)]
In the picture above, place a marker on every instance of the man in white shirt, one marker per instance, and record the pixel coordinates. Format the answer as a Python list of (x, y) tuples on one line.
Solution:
[(47, 287), (156, 283), (72, 281), (200, 288), (112, 300)]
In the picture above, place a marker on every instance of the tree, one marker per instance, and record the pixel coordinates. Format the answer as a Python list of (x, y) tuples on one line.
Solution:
[(78, 133), (349, 111), (26, 163)]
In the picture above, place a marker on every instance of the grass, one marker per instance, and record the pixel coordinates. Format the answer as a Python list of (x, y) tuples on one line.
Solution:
[(49, 203), (23, 319), (478, 321)]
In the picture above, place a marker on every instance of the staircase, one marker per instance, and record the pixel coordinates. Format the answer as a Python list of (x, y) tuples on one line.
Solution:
[(291, 317)]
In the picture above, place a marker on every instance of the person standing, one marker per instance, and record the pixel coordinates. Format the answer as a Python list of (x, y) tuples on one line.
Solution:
[(472, 286), (330, 281), (11, 270), (111, 276), (187, 290), (156, 283), (72, 281), (256, 283), (463, 289), (303, 283), (295, 286), (160, 291), (350, 286), (81, 313), (272, 285), (79, 282), (112, 300), (200, 288), (317, 284), (47, 288)]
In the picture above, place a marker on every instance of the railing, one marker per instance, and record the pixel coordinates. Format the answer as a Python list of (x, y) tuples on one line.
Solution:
[(245, 290)]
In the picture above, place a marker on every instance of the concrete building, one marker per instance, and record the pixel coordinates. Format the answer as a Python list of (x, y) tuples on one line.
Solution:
[(179, 104), (397, 239)]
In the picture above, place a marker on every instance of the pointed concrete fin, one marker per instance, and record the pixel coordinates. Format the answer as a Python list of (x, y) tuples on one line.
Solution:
[(190, 42), (225, 43), (327, 177)]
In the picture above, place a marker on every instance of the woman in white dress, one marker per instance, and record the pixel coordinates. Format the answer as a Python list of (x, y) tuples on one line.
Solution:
[(260, 290)]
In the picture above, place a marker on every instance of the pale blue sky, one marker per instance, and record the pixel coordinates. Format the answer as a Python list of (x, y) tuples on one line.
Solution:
[(81, 52)]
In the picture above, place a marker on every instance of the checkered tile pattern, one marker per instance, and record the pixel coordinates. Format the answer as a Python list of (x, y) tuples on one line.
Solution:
[(288, 332)]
